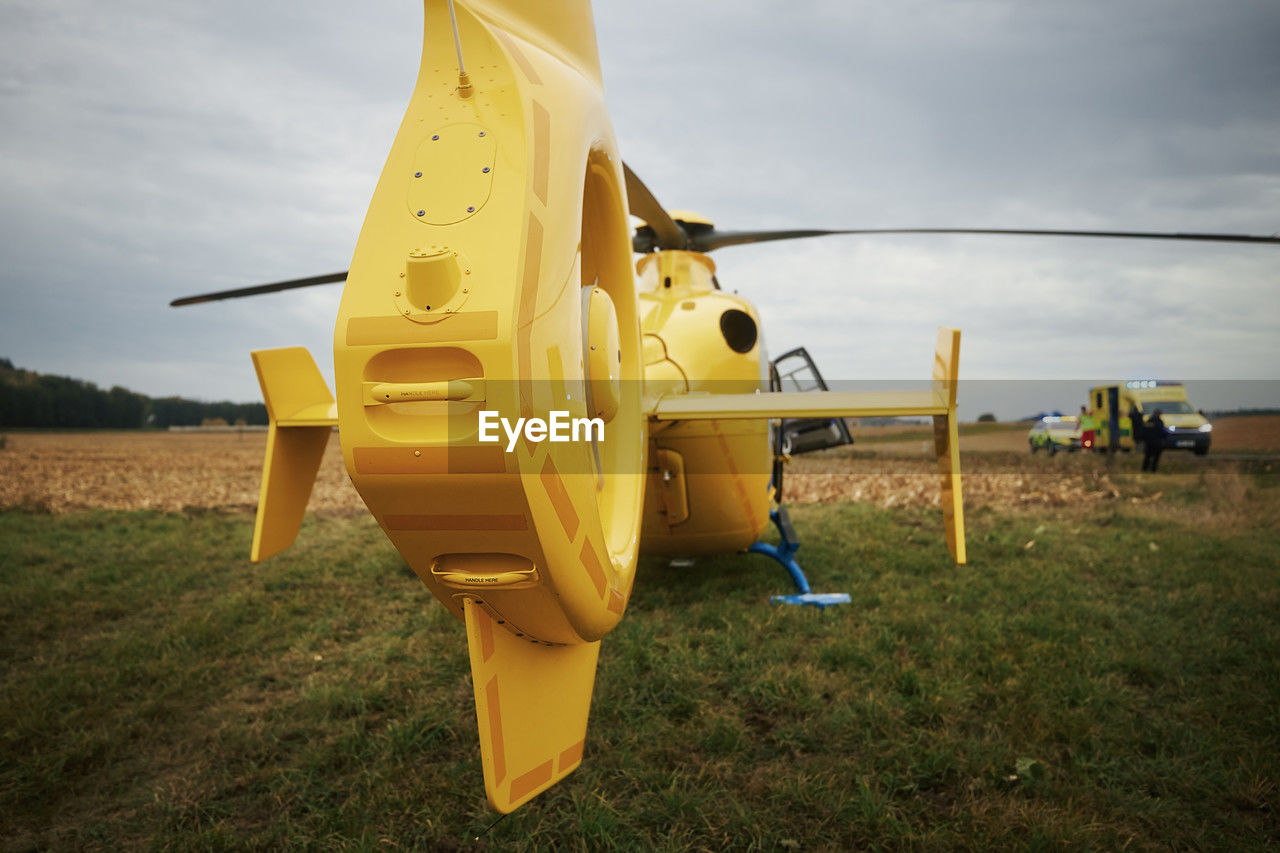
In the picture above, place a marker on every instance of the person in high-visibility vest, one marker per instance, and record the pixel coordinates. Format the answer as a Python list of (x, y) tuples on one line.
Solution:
[(1088, 429)]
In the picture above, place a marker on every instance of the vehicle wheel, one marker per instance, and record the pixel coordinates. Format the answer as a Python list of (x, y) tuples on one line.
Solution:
[(1202, 449), (1034, 447), (1053, 448)]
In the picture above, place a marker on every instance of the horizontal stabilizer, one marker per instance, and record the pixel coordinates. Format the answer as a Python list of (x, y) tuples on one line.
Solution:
[(800, 404), (938, 402), (302, 414), (532, 702)]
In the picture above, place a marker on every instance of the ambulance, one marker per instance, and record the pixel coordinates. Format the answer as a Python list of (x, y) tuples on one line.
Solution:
[(1186, 427), (1055, 432)]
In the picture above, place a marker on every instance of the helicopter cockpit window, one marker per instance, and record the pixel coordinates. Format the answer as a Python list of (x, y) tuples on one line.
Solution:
[(795, 371), (800, 379)]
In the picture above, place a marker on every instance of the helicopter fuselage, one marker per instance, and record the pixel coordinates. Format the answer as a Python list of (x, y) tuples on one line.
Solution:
[(709, 480)]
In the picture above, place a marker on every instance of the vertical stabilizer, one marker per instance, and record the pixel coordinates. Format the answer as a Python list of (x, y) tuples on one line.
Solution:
[(532, 702), (946, 440)]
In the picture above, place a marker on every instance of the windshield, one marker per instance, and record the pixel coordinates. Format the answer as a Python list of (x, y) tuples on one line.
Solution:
[(1168, 407), (1057, 423)]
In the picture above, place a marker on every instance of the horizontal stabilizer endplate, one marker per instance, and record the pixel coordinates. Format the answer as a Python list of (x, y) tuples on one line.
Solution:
[(302, 414)]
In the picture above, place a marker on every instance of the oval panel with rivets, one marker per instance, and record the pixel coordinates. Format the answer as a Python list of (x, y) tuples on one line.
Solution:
[(451, 174)]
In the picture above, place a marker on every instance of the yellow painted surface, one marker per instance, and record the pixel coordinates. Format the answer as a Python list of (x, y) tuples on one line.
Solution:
[(726, 471), (514, 206), (718, 501), (494, 215), (669, 487), (494, 272), (532, 703), (604, 355), (1148, 400), (299, 408), (713, 522), (946, 441), (800, 404)]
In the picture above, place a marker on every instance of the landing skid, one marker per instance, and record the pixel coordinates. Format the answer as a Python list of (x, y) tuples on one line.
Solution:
[(785, 553)]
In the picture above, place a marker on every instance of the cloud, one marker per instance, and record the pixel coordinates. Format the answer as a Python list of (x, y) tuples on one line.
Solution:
[(149, 150)]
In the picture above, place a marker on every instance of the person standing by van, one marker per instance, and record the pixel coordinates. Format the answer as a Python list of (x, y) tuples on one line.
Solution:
[(1088, 429), (1135, 425), (1153, 441)]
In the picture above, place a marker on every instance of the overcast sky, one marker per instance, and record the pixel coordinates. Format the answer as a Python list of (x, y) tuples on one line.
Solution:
[(150, 150)]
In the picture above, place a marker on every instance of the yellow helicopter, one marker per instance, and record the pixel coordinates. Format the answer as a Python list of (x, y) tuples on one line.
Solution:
[(523, 408)]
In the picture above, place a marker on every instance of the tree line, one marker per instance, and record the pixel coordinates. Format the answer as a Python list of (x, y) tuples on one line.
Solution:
[(30, 399)]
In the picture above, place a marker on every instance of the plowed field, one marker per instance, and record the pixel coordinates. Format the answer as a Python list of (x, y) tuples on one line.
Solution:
[(173, 471)]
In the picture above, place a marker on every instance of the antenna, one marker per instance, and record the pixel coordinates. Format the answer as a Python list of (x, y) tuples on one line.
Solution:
[(464, 80)]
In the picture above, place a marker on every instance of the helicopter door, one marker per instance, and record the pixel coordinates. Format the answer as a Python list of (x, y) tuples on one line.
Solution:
[(795, 371)]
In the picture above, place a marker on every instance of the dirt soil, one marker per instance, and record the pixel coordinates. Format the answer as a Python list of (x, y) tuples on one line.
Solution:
[(175, 471), (168, 471)]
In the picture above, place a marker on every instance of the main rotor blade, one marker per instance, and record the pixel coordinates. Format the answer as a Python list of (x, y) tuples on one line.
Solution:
[(720, 239), (641, 203), (259, 289)]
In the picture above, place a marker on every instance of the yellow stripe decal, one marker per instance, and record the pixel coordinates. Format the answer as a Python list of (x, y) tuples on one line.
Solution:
[(739, 487), (555, 374), (570, 757), (541, 150), (522, 61), (559, 498), (495, 731), (531, 781), (456, 522), (528, 303), (389, 331), (592, 564), (430, 460), (485, 626)]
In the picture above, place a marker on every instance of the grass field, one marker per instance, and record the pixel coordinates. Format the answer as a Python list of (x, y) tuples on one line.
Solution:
[(1101, 675)]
